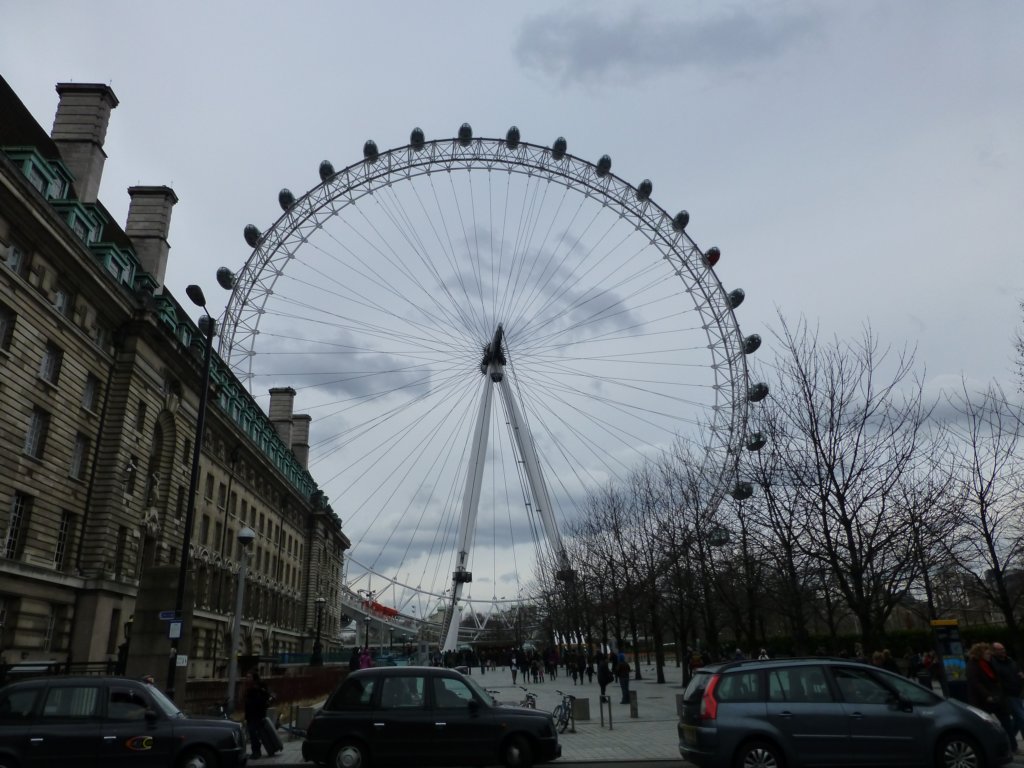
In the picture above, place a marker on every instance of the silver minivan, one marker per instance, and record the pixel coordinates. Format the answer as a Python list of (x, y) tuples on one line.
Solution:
[(829, 712)]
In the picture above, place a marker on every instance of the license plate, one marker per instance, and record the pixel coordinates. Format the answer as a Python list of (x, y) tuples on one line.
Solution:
[(690, 734)]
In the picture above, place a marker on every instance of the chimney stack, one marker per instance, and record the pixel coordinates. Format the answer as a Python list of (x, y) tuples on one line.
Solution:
[(79, 130), (300, 438), (149, 221), (282, 400)]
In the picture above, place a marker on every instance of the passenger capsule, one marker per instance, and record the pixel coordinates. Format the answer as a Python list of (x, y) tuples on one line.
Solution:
[(370, 152), (252, 235), (512, 137), (465, 134), (226, 279), (643, 192), (735, 297), (680, 221), (751, 344), (742, 491), (712, 255), (758, 392), (326, 170), (558, 148), (286, 199), (756, 442), (604, 165), (417, 139)]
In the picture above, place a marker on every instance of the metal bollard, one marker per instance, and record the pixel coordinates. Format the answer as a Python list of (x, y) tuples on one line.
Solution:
[(634, 711), (601, 701)]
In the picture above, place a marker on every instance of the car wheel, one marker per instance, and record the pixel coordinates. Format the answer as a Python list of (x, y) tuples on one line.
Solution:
[(198, 758), (958, 751), (516, 753), (759, 754), (349, 754)]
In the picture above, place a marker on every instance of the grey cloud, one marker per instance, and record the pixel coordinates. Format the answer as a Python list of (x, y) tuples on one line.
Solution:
[(580, 46)]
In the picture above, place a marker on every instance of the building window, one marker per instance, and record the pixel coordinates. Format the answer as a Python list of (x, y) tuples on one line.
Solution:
[(51, 621), (204, 530), (222, 496), (208, 495), (64, 301), (140, 417), (179, 504), (131, 472), (63, 540), (91, 393), (17, 259), (7, 318), (186, 455), (17, 525), (49, 369), (79, 456), (119, 552), (36, 178), (38, 427)]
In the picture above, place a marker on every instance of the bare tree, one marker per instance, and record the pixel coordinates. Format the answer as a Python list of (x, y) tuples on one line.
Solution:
[(989, 547), (855, 416)]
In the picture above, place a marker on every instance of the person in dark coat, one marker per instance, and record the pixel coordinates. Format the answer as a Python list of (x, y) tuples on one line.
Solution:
[(984, 690), (604, 672), (622, 670), (257, 701), (1012, 681)]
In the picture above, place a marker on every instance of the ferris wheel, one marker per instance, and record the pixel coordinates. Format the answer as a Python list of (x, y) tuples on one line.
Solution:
[(486, 331)]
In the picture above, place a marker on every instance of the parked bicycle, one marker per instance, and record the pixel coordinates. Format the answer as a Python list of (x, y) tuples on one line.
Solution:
[(563, 712), (529, 700)]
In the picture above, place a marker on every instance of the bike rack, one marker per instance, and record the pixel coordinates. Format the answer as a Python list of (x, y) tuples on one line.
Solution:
[(601, 701)]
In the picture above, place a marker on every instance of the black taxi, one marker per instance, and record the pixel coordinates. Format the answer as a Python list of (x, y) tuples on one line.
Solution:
[(88, 722), (424, 716)]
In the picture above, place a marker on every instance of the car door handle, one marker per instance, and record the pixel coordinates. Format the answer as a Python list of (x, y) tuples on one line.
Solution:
[(109, 738), (786, 714), (379, 725), (857, 715), (440, 725), (36, 740)]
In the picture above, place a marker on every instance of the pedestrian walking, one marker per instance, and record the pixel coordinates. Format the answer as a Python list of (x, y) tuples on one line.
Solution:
[(604, 672), (1012, 681), (622, 671), (984, 690), (257, 701)]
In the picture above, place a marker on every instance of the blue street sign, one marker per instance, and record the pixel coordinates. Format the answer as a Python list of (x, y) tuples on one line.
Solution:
[(167, 615)]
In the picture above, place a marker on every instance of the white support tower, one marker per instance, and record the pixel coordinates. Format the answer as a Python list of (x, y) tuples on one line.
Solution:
[(493, 368)]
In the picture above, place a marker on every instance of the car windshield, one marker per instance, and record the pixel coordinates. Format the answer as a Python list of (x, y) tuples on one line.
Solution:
[(163, 703), (481, 694)]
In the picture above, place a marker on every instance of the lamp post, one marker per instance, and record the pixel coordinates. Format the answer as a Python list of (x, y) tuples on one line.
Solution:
[(317, 659), (246, 536), (366, 621), (209, 329), (391, 644)]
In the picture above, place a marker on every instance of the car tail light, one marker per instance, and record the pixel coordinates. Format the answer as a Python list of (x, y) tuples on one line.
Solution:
[(708, 702)]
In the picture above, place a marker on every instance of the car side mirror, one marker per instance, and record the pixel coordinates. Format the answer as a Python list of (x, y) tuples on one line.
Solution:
[(900, 702), (474, 707)]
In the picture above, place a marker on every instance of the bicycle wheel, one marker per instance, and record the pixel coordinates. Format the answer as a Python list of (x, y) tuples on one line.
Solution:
[(556, 715)]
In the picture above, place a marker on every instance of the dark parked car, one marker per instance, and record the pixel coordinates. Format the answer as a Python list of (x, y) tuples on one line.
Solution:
[(94, 722), (818, 712), (424, 715)]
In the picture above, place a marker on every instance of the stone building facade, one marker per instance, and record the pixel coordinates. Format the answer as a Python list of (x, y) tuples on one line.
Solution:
[(100, 371)]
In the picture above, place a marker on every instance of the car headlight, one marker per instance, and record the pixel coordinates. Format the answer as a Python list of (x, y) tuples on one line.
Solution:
[(988, 716)]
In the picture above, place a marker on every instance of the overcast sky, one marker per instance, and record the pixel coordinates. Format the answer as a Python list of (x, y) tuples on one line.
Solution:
[(857, 162)]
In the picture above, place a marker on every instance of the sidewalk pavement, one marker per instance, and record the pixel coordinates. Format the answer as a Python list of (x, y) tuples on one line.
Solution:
[(650, 737)]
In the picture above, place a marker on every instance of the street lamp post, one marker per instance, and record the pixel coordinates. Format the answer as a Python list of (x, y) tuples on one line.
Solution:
[(391, 644), (366, 621), (317, 659), (209, 329), (246, 536)]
